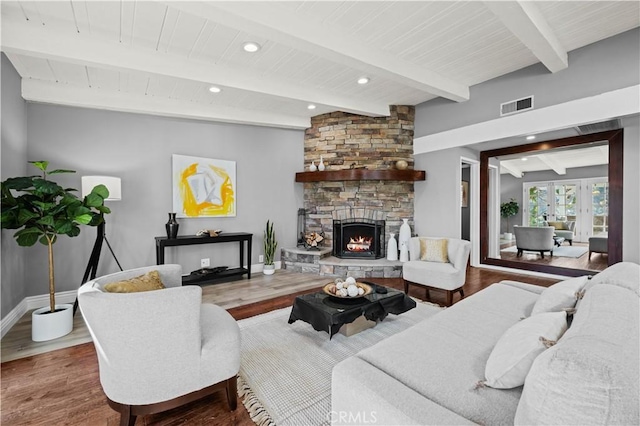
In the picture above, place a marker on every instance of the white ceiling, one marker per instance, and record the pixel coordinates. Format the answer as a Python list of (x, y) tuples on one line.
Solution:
[(161, 57), (558, 160)]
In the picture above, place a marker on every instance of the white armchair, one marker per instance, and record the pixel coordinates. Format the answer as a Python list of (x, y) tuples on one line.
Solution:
[(160, 349), (534, 238), (449, 277)]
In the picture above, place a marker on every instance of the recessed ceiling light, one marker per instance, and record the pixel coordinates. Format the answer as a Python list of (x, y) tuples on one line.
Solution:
[(524, 158), (531, 137), (311, 106), (363, 80), (214, 89), (251, 47)]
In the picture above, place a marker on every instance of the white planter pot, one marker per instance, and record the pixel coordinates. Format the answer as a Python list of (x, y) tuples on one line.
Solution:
[(269, 269), (508, 236), (46, 325)]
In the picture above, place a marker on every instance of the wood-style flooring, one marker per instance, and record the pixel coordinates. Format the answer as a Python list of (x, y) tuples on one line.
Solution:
[(62, 387), (598, 261)]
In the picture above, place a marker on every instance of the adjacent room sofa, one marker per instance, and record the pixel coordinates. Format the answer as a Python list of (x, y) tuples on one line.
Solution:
[(429, 373), (564, 229)]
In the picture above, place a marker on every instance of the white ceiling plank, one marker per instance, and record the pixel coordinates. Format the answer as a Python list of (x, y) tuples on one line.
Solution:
[(36, 41), (553, 163), (56, 93), (510, 167), (281, 25), (527, 23)]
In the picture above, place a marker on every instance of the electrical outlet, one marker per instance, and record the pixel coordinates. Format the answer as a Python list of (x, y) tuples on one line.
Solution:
[(260, 258), (204, 263)]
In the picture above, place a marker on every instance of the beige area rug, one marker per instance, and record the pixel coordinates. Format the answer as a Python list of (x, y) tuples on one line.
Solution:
[(285, 369)]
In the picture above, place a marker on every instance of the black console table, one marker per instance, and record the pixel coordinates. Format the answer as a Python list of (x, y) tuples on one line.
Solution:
[(231, 273)]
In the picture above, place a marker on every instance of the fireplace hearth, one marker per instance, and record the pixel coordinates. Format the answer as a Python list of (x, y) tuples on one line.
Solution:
[(358, 238)]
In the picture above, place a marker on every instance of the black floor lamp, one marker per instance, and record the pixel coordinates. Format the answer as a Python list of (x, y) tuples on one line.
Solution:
[(115, 194)]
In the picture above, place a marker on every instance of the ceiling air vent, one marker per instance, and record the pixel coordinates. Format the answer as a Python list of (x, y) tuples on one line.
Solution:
[(603, 126), (518, 105)]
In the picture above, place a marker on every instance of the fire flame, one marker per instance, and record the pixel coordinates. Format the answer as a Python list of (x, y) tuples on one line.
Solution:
[(359, 244)]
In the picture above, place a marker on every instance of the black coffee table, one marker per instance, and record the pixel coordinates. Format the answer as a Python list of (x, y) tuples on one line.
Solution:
[(329, 313)]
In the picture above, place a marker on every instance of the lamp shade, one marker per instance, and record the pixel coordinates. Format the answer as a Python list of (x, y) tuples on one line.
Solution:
[(112, 184)]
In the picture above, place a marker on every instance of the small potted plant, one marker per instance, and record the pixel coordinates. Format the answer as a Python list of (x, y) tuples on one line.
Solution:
[(270, 245), (41, 210), (508, 210)]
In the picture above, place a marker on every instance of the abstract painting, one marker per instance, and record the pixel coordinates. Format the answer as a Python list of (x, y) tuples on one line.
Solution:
[(203, 187)]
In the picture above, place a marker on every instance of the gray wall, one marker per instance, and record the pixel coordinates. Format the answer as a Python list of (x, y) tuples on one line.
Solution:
[(437, 198), (138, 149), (610, 64), (13, 123), (511, 187)]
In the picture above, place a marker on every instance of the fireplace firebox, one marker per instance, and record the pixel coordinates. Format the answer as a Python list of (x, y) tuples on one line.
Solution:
[(358, 238)]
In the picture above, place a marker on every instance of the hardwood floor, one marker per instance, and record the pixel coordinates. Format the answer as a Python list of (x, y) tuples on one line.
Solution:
[(62, 387), (598, 261)]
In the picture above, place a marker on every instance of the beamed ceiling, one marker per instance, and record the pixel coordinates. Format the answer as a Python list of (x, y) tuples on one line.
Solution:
[(162, 57)]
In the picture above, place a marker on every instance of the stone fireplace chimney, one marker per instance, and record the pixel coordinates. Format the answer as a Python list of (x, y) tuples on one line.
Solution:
[(349, 141)]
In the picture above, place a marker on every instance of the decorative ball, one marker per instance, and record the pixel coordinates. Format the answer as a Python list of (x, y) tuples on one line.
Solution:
[(401, 165), (352, 290), (350, 280), (343, 292), (360, 291), (340, 285)]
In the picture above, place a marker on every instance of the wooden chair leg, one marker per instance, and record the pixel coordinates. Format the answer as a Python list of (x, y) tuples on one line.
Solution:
[(406, 286), (589, 255), (232, 392), (449, 297), (461, 293), (126, 418), (541, 254), (426, 294)]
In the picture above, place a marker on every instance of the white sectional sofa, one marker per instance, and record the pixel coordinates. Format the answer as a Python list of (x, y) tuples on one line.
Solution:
[(427, 374)]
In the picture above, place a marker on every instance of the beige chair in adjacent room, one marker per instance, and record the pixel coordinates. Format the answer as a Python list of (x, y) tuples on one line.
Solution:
[(447, 276), (534, 238), (159, 349)]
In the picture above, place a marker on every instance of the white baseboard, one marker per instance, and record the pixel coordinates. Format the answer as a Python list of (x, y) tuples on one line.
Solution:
[(33, 302), (522, 271)]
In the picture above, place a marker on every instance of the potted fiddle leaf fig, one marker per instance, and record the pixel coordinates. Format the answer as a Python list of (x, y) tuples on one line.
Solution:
[(41, 211), (270, 245), (507, 210)]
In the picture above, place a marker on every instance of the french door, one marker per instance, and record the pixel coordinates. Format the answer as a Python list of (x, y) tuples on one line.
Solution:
[(584, 201)]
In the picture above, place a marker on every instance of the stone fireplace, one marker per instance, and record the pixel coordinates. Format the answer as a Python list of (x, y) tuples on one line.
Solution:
[(360, 155)]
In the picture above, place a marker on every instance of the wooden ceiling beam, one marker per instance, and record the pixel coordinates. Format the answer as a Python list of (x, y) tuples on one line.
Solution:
[(283, 26), (524, 20), (38, 41)]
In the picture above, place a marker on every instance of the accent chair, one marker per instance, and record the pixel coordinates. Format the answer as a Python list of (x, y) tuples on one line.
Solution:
[(564, 229), (598, 245), (447, 276), (159, 349), (534, 238)]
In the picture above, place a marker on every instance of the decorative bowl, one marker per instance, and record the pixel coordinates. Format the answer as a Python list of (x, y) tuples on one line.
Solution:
[(366, 287)]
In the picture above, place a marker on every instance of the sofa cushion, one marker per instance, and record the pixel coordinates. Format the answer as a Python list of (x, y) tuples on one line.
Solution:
[(560, 295), (147, 282), (442, 357), (512, 356), (434, 250), (441, 275), (623, 274), (591, 375)]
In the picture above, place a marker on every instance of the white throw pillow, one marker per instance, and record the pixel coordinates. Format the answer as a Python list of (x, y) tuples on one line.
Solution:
[(559, 296), (513, 355)]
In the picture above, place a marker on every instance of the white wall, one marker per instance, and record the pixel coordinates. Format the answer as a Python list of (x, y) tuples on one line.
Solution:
[(138, 149), (631, 195), (14, 163)]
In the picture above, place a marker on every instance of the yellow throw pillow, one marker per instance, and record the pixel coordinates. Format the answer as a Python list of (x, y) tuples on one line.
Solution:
[(147, 282), (558, 225), (434, 250)]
